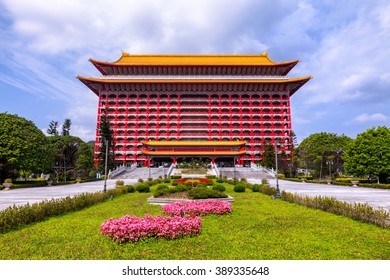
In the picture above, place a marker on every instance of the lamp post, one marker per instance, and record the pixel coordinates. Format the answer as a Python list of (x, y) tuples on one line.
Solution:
[(105, 165), (277, 195)]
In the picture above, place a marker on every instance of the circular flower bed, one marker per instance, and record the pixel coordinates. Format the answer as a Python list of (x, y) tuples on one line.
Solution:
[(131, 228), (198, 208)]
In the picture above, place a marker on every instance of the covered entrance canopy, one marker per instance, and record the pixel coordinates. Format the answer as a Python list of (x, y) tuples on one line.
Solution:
[(190, 149)]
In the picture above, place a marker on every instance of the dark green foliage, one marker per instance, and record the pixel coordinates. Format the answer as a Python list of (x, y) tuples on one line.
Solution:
[(203, 193), (321, 151), (176, 177), (167, 180), (219, 187), (17, 216), (23, 147), (220, 180), (182, 187), (240, 187), (210, 177), (142, 188), (256, 188), (369, 154), (162, 187), (130, 188), (66, 127)]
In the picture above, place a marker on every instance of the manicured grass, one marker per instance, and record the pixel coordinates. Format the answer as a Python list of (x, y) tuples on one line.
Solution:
[(258, 228)]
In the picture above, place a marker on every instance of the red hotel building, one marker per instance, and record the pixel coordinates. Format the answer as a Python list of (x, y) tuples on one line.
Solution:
[(167, 107)]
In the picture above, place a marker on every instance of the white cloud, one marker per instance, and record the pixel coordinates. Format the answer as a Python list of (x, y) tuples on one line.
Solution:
[(376, 117), (351, 58), (343, 44)]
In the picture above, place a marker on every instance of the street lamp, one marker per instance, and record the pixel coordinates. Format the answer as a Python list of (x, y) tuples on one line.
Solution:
[(277, 195)]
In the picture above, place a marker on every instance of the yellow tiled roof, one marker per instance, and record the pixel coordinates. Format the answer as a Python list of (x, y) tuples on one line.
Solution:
[(194, 59), (200, 153)]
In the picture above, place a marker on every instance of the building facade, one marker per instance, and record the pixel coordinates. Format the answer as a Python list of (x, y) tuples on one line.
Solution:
[(168, 101)]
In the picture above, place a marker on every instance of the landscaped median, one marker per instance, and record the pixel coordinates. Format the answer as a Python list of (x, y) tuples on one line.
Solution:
[(183, 220), (258, 228)]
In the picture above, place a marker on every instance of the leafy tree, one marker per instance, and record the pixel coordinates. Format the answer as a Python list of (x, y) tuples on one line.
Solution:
[(23, 147), (269, 156), (369, 154), (66, 150), (322, 153), (53, 128), (107, 138), (66, 127), (84, 162)]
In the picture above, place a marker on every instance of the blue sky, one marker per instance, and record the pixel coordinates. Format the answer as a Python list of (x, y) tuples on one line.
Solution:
[(344, 45)]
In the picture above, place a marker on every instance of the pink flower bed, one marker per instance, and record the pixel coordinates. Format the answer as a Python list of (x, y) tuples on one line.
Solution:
[(131, 228), (198, 208)]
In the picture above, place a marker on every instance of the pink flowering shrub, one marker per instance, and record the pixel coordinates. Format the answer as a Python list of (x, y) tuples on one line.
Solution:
[(130, 228), (198, 208)]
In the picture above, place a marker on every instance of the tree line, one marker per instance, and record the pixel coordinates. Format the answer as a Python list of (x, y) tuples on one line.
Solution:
[(25, 150)]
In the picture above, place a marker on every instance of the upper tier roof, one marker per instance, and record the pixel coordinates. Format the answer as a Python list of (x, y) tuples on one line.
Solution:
[(177, 60), (195, 59)]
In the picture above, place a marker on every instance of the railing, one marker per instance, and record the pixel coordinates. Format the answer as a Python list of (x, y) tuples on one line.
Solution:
[(117, 171), (215, 169), (170, 170)]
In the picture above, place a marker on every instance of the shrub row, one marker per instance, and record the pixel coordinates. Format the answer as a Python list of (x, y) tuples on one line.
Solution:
[(356, 211), (17, 216)]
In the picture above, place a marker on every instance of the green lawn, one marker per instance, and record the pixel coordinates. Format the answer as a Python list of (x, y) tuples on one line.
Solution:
[(258, 228)]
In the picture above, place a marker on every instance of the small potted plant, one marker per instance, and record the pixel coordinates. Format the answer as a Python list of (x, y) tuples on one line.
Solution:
[(7, 183)]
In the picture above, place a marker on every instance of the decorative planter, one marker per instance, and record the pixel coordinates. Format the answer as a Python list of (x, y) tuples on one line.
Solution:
[(303, 180), (49, 183), (329, 182), (7, 186), (78, 180), (355, 183)]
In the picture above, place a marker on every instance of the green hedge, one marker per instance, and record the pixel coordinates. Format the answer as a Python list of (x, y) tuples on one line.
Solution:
[(17, 216)]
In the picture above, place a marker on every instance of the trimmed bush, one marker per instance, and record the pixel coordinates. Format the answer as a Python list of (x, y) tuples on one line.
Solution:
[(162, 187), (256, 188), (120, 183), (142, 188), (203, 193), (239, 187), (281, 176), (167, 180), (176, 177), (140, 180), (219, 187), (130, 188)]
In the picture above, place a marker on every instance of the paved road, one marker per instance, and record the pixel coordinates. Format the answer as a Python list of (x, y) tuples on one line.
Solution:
[(374, 197), (377, 198), (32, 195)]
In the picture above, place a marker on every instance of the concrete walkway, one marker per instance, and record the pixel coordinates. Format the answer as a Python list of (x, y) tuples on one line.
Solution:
[(33, 195), (377, 198)]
